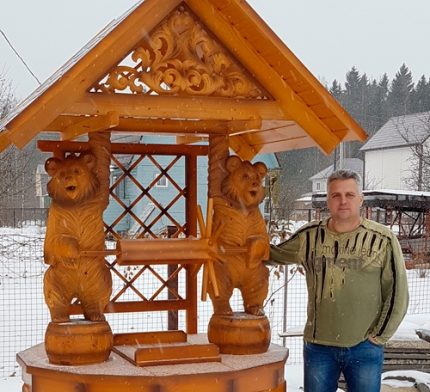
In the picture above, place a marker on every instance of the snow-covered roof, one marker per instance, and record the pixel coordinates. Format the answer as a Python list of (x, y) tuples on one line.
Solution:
[(398, 192), (385, 198), (353, 164), (400, 131)]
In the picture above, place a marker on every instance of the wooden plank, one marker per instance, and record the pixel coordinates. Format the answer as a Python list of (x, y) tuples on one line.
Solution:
[(157, 106), (404, 366), (408, 356), (90, 69), (149, 338), (176, 353)]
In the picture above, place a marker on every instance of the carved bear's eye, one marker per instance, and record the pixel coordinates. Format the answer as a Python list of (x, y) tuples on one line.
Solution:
[(77, 171), (245, 177)]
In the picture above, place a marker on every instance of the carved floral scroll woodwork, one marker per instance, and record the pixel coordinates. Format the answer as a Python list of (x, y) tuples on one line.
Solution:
[(181, 58)]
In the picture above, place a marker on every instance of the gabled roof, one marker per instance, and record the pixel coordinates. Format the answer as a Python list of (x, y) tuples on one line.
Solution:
[(353, 164), (400, 131), (285, 108)]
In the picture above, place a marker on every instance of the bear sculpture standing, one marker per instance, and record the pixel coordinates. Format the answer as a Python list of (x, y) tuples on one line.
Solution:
[(243, 242), (75, 224)]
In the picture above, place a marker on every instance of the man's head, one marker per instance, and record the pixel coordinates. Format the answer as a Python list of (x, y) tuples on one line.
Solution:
[(344, 196)]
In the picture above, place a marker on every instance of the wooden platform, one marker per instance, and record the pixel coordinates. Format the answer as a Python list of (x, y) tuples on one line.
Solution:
[(163, 348), (235, 373), (407, 355)]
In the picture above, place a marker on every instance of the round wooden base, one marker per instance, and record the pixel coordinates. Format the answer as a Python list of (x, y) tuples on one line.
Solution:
[(249, 373), (78, 342), (239, 333)]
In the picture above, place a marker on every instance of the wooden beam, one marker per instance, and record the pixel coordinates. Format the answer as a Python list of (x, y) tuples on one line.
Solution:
[(241, 147), (138, 306), (90, 124), (190, 139), (4, 140), (76, 125), (192, 108), (195, 127), (123, 148), (79, 77), (292, 105)]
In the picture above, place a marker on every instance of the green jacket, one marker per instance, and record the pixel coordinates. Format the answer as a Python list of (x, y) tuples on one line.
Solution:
[(356, 281)]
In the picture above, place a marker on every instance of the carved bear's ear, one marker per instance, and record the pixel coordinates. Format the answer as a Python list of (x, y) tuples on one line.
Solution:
[(52, 165), (89, 160), (232, 163), (261, 169)]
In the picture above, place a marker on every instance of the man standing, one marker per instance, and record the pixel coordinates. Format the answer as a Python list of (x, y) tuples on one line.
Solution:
[(357, 290)]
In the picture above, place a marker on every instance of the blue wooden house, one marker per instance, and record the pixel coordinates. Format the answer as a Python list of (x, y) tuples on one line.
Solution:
[(164, 192)]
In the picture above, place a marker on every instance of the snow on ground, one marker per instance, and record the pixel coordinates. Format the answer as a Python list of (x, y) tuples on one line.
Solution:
[(24, 277)]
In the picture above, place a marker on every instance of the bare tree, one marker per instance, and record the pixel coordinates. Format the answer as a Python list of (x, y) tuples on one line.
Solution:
[(17, 167), (417, 136), (283, 197)]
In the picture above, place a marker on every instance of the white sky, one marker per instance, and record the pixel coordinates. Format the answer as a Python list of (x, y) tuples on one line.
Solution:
[(328, 36)]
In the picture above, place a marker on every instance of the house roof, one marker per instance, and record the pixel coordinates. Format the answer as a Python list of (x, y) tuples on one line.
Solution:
[(353, 164), (400, 131), (284, 105)]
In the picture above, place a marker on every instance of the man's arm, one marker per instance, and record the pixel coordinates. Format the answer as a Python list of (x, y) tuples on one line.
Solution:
[(289, 252), (395, 297)]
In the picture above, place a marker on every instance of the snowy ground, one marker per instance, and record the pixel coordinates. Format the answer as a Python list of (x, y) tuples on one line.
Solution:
[(25, 278), (294, 373)]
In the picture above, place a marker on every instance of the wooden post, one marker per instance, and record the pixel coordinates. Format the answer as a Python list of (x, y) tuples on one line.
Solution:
[(191, 230), (218, 153), (172, 315)]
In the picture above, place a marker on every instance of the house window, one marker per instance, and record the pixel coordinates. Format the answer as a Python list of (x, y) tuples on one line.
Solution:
[(162, 181), (318, 186)]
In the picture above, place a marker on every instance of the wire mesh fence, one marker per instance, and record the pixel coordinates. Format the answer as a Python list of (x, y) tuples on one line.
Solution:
[(24, 315)]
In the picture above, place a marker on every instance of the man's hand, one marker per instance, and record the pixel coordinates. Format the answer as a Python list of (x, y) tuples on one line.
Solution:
[(373, 340)]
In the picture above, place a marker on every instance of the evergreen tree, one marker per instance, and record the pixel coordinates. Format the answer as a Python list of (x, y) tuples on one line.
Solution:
[(352, 96), (399, 96), (420, 98), (377, 98), (336, 90)]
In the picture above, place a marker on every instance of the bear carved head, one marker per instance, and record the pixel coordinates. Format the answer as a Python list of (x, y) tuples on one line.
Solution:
[(73, 179), (243, 185)]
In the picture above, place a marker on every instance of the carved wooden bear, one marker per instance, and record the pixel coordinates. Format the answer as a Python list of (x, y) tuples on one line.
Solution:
[(75, 224), (243, 241)]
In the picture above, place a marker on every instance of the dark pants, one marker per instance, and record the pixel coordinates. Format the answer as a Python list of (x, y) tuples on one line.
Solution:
[(361, 366)]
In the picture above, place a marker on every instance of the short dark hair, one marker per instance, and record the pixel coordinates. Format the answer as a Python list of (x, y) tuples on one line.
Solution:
[(342, 175)]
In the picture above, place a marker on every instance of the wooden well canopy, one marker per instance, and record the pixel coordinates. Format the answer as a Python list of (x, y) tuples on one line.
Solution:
[(189, 68)]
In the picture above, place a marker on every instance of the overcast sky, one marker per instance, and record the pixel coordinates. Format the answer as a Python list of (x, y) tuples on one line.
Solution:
[(328, 36)]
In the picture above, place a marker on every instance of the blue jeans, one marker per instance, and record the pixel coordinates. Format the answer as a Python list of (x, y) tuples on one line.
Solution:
[(361, 366)]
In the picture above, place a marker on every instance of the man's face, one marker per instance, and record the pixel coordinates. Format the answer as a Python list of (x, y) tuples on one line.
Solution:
[(344, 200)]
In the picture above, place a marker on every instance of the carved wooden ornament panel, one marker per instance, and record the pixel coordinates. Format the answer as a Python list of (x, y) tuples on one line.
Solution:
[(181, 58)]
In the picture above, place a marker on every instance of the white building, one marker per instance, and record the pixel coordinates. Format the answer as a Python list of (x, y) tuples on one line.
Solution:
[(389, 158), (319, 180)]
